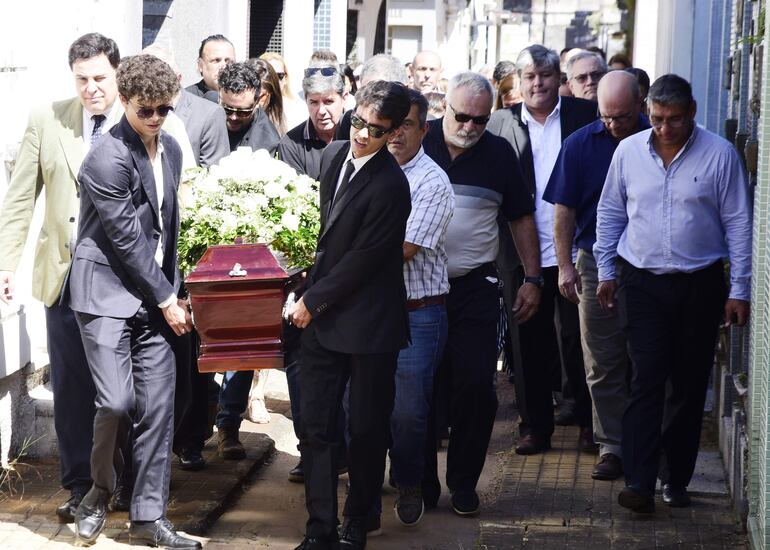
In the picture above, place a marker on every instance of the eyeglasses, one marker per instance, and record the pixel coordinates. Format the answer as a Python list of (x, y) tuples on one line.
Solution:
[(595, 76), (144, 113), (673, 122), (619, 118), (480, 120), (239, 113), (325, 71), (375, 131)]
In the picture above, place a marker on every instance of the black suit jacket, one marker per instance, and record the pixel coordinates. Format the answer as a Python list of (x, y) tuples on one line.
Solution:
[(355, 291), (113, 266), (260, 135), (506, 123)]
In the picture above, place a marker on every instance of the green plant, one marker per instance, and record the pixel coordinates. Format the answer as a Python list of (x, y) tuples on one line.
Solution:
[(11, 479)]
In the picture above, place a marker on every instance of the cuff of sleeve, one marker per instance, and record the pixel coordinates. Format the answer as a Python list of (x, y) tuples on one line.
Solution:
[(606, 273), (167, 302), (740, 290)]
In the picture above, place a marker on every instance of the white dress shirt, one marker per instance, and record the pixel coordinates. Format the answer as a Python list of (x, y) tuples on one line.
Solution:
[(157, 174), (546, 144)]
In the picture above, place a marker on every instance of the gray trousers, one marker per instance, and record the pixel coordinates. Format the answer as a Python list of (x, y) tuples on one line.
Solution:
[(133, 368), (605, 354)]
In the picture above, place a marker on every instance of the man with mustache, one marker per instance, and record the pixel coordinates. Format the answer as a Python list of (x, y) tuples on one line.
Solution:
[(486, 180)]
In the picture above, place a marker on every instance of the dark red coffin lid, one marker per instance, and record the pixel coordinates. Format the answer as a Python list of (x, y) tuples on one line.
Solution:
[(217, 262)]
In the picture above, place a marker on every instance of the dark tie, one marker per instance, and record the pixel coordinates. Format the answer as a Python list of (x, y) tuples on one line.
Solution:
[(98, 121), (349, 168)]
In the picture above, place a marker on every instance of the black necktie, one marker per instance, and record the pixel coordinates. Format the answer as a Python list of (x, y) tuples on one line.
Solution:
[(96, 132), (342, 187)]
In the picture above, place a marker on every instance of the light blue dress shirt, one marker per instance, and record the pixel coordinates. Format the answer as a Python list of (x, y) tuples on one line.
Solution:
[(678, 220)]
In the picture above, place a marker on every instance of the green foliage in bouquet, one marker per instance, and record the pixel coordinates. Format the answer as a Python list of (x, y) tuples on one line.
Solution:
[(250, 196)]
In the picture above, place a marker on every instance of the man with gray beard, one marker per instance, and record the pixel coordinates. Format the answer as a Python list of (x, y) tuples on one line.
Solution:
[(485, 176)]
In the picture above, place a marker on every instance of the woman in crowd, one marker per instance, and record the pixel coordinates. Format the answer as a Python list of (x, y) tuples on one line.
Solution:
[(271, 99), (294, 108), (508, 92)]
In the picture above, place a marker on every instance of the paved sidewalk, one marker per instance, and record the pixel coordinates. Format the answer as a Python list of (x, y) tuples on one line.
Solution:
[(28, 520)]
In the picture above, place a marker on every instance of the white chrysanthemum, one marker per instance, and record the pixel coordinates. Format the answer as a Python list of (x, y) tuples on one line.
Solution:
[(290, 221)]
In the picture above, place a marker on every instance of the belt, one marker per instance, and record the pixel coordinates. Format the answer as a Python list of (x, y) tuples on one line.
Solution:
[(411, 305)]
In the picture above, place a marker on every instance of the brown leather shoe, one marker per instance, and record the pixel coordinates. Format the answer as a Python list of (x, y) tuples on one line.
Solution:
[(532, 444), (228, 446), (608, 468), (586, 441)]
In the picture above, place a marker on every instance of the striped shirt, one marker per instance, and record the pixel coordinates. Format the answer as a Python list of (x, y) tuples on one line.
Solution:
[(433, 203)]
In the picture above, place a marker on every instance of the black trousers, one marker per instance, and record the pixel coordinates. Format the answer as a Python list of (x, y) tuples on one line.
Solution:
[(470, 362), (540, 351), (672, 324), (73, 397), (191, 405), (322, 380)]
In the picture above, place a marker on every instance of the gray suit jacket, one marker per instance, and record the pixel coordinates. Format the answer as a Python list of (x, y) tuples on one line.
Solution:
[(206, 127), (113, 266)]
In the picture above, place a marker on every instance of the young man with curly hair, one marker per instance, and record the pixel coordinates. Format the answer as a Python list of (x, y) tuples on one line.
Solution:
[(123, 289)]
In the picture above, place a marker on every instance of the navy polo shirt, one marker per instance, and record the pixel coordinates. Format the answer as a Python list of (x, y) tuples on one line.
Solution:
[(578, 176), (487, 183)]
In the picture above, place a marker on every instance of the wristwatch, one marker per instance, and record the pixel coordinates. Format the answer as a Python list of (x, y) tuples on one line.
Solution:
[(538, 281)]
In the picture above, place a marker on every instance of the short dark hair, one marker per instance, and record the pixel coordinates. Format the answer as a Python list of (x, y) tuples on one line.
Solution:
[(503, 69), (93, 44), (390, 100), (671, 89), (597, 49), (620, 58), (147, 78), (643, 78), (212, 38), (238, 77), (416, 98)]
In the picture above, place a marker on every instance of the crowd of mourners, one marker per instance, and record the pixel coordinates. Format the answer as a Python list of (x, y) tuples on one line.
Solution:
[(555, 212)]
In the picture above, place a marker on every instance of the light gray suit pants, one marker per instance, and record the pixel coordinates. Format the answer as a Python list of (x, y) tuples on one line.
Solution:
[(132, 365), (605, 354)]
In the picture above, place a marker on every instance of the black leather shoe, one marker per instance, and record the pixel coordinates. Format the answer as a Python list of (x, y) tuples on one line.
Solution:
[(66, 510), (675, 497), (465, 503), (121, 498), (353, 534), (636, 501), (297, 474), (431, 490), (532, 444), (586, 440), (91, 515), (159, 533), (191, 460), (316, 543), (608, 468)]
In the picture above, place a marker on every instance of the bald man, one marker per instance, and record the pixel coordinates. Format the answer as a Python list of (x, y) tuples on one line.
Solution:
[(426, 72), (574, 188)]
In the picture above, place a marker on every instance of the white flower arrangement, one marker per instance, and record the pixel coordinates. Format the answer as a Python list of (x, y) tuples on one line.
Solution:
[(253, 197)]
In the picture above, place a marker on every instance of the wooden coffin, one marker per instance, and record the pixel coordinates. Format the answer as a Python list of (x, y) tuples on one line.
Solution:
[(237, 293)]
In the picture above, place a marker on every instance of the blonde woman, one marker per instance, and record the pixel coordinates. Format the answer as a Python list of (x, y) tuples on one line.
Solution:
[(294, 108)]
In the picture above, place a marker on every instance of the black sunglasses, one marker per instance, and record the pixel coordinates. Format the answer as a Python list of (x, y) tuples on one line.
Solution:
[(359, 123), (146, 112), (463, 118), (239, 113), (325, 71)]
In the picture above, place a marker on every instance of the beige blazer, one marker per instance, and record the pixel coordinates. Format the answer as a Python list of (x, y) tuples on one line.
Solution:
[(48, 161)]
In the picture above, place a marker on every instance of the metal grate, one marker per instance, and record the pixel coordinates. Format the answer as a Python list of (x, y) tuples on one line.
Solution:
[(322, 25), (265, 27)]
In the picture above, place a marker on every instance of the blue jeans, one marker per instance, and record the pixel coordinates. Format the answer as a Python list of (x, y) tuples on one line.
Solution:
[(233, 398), (414, 391)]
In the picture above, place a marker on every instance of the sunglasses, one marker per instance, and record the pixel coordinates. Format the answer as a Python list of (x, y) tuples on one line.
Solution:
[(463, 118), (325, 71), (610, 119), (595, 76), (239, 113), (359, 123), (144, 113)]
